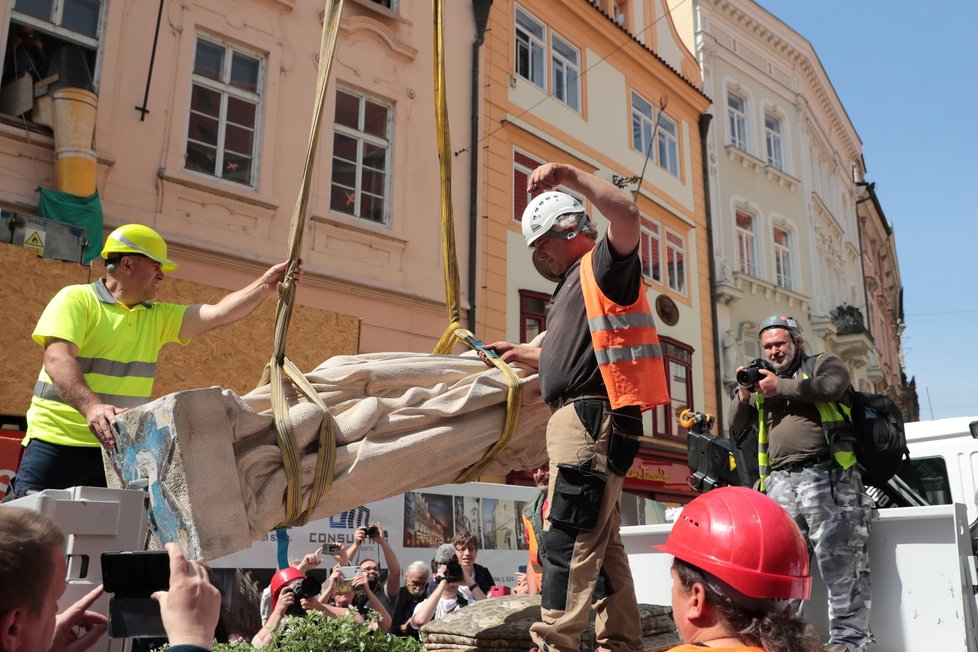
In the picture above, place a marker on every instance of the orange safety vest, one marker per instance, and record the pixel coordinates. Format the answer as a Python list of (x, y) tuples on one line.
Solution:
[(625, 344), (535, 565)]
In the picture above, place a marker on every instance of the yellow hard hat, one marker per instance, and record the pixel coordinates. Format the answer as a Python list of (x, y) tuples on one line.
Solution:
[(138, 239)]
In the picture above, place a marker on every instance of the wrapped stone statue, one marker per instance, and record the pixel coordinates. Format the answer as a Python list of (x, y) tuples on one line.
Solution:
[(210, 460)]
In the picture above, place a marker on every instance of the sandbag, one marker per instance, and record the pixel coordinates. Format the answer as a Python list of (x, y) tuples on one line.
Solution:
[(503, 625)]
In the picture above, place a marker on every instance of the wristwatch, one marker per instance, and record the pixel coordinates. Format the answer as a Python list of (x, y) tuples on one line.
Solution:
[(473, 586)]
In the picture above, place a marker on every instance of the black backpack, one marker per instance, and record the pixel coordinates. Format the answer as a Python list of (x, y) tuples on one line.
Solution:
[(881, 444)]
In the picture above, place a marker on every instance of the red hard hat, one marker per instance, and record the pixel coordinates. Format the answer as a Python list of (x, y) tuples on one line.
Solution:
[(283, 577), (744, 538)]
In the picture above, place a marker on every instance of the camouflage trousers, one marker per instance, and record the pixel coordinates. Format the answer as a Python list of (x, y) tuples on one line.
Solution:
[(834, 512)]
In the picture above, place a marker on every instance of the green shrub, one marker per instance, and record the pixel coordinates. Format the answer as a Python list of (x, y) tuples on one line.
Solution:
[(317, 632)]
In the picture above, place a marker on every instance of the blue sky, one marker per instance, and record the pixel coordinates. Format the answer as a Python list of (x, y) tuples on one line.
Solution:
[(906, 73)]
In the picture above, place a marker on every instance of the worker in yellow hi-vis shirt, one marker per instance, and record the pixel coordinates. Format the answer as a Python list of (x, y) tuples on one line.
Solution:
[(101, 342)]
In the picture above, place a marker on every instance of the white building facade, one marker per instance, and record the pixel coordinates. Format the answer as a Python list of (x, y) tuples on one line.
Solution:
[(783, 164)]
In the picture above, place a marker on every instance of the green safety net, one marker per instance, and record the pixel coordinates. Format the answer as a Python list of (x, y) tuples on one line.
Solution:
[(85, 212)]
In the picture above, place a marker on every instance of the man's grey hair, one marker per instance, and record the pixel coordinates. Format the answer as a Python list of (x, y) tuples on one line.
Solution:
[(417, 567), (568, 222)]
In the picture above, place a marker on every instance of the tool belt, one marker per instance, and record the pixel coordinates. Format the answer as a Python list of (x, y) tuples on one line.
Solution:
[(558, 403)]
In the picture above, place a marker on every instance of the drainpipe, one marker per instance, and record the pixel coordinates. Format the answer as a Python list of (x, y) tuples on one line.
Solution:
[(704, 124), (870, 194), (480, 11)]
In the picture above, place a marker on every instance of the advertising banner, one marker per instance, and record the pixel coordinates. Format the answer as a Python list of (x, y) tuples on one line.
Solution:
[(416, 524)]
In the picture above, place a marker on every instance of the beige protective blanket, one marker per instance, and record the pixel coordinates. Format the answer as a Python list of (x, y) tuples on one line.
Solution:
[(405, 421)]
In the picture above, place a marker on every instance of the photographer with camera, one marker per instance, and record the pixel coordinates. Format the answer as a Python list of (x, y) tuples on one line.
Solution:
[(385, 592), (307, 563), (365, 600), (808, 466), (293, 593), (451, 590)]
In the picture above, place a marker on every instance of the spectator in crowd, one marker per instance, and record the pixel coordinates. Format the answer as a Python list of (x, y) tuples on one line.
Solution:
[(32, 572), (739, 558), (288, 599), (32, 560), (337, 596), (364, 600), (447, 596), (409, 596), (386, 591), (478, 579), (101, 342), (307, 563)]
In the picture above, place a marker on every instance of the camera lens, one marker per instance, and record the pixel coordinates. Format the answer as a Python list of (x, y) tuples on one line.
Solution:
[(747, 376)]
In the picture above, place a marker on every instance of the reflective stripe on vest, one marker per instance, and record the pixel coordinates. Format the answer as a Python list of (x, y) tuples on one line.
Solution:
[(763, 459), (107, 367), (47, 392), (831, 419), (626, 345)]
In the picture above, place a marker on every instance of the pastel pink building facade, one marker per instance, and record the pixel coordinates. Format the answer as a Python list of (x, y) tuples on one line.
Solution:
[(213, 156)]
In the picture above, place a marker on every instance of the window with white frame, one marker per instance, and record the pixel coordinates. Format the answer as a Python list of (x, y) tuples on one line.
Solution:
[(361, 156), (745, 243), (531, 47), (523, 165), (773, 141), (643, 119), (737, 119), (676, 261), (651, 250), (678, 360), (666, 154), (40, 32), (225, 102), (668, 140), (566, 69), (782, 258)]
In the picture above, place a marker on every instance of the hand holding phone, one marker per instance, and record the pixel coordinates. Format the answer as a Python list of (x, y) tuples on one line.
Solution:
[(192, 605)]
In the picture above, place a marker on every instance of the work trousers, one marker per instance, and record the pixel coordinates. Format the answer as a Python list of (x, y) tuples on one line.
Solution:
[(582, 541), (834, 513)]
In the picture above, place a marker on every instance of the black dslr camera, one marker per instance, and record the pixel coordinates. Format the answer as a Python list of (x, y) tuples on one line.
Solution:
[(751, 374), (310, 587), (372, 531), (453, 572)]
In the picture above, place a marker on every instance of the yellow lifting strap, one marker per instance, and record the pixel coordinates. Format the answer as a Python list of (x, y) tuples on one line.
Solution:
[(280, 366), (455, 332)]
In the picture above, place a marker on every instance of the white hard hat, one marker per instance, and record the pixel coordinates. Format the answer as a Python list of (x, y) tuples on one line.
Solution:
[(542, 212)]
